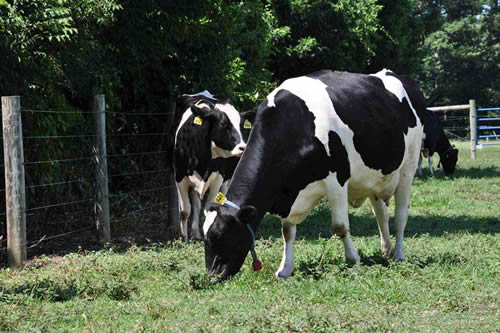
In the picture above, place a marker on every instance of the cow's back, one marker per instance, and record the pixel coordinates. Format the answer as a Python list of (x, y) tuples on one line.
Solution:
[(362, 128)]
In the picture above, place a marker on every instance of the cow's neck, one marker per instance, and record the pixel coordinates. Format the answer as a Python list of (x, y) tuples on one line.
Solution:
[(253, 186), (443, 145)]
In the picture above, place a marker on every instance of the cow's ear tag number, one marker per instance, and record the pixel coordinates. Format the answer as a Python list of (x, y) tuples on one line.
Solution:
[(220, 198), (197, 121), (247, 124)]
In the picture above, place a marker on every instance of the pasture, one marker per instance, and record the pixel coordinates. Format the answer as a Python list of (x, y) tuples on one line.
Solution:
[(450, 280)]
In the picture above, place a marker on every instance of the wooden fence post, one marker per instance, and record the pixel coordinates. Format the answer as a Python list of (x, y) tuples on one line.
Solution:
[(172, 199), (102, 195), (15, 196), (473, 128)]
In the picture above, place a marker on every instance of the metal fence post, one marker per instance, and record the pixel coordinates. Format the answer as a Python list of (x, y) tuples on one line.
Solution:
[(473, 128), (102, 195), (15, 196)]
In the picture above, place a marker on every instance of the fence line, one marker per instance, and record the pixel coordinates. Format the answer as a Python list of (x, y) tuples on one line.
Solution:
[(472, 120), (474, 128), (99, 182)]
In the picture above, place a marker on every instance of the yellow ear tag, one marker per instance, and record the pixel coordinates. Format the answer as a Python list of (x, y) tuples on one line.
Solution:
[(220, 198), (247, 124), (198, 121)]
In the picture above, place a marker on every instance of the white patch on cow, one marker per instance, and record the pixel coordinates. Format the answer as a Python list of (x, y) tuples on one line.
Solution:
[(313, 93), (392, 84), (305, 202), (209, 220), (235, 118), (184, 118)]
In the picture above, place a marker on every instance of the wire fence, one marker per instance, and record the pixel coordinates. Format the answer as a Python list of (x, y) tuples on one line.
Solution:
[(60, 165)]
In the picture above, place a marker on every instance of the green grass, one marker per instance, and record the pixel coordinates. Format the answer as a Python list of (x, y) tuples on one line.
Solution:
[(449, 282)]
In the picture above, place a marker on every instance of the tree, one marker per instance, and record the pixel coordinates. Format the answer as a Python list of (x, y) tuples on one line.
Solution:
[(461, 59), (319, 34)]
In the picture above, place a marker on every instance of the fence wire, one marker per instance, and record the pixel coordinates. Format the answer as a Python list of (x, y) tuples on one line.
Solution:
[(91, 180)]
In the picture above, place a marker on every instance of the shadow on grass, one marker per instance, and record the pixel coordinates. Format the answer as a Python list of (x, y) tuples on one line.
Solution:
[(472, 173), (477, 173), (366, 225)]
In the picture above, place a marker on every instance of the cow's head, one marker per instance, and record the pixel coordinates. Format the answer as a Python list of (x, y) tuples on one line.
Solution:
[(227, 239), (225, 131), (449, 160)]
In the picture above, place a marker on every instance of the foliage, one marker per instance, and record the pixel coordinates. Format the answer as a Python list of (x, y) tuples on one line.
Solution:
[(318, 34), (461, 59)]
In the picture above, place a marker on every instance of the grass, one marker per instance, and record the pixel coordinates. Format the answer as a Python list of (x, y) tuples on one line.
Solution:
[(449, 282)]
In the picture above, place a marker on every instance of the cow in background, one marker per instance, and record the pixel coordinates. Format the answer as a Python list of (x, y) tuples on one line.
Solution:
[(208, 129), (436, 141), (349, 137)]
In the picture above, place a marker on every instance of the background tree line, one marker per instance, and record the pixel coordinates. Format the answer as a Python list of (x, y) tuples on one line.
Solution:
[(141, 54)]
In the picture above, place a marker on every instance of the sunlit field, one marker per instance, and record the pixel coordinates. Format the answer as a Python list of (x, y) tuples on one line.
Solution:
[(449, 282)]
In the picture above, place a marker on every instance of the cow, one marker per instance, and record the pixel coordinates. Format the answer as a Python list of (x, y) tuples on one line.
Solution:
[(436, 141), (208, 129), (342, 135)]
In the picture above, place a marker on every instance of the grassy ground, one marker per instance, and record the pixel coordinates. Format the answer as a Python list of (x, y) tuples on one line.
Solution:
[(450, 281)]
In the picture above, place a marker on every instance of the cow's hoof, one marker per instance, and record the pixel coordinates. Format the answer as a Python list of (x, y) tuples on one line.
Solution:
[(282, 274), (353, 259), (197, 237), (387, 252), (398, 256)]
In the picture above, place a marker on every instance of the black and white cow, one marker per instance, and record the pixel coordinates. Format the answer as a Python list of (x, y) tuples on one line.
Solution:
[(436, 141), (345, 136), (208, 129)]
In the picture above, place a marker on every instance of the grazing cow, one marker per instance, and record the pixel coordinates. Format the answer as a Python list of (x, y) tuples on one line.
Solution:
[(208, 129), (436, 141), (345, 136)]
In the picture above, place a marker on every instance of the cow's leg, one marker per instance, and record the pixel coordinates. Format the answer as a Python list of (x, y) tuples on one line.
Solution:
[(382, 216), (286, 267), (213, 189), (402, 200), (419, 165), (195, 224), (430, 166), (184, 207), (337, 197), (302, 206)]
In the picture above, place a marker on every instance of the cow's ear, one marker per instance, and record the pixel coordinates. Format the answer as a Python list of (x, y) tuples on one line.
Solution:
[(249, 115), (203, 111), (246, 214)]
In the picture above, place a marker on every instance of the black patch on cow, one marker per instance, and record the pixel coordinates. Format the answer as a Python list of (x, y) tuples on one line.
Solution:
[(224, 166), (192, 150), (377, 118), (339, 161)]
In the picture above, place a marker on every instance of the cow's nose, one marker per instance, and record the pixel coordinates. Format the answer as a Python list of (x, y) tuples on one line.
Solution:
[(241, 148)]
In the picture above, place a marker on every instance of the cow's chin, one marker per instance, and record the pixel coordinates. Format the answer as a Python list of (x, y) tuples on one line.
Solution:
[(219, 152)]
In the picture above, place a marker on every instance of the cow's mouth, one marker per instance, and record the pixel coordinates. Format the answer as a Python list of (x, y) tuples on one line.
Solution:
[(238, 151)]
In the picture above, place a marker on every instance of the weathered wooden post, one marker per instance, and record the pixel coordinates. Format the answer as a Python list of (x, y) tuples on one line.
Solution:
[(473, 128), (102, 195), (15, 197), (172, 199)]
